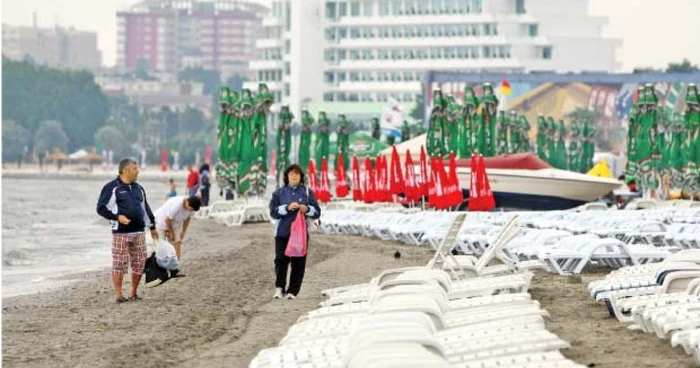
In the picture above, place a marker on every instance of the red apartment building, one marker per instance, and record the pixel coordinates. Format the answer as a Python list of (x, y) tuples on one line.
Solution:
[(170, 35)]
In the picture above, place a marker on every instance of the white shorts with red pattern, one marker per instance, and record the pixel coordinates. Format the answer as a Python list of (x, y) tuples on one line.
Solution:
[(128, 249)]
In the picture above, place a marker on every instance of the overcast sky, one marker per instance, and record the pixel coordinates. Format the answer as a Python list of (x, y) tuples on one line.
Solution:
[(653, 33)]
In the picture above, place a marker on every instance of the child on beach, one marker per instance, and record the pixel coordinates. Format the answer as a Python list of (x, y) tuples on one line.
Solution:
[(173, 189)]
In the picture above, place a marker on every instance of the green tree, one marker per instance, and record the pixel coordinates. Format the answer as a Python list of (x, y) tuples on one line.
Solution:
[(192, 121), (418, 112), (209, 77), (111, 138), (32, 94), (142, 68), (642, 70), (50, 136), (15, 139), (235, 82), (683, 67)]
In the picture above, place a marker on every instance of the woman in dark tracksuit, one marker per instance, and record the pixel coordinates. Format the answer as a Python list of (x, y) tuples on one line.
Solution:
[(285, 204)]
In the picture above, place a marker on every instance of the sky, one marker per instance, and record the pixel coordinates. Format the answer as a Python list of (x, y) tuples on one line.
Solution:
[(652, 34)]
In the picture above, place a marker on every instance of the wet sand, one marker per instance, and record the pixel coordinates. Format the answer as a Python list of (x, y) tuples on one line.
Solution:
[(222, 313)]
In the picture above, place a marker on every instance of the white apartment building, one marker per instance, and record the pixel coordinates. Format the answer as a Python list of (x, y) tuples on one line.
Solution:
[(377, 50)]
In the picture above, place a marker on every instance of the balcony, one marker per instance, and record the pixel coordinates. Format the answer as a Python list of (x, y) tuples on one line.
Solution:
[(375, 86), (418, 20), (271, 22), (382, 43), (266, 65), (268, 43), (425, 64)]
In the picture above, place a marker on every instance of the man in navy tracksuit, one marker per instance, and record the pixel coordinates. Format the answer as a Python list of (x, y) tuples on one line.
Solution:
[(123, 202), (288, 201)]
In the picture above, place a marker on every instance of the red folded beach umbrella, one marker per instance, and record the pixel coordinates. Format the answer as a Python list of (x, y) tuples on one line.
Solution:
[(386, 191), (341, 183), (324, 193), (411, 190), (424, 182), (397, 182), (442, 185), (380, 194), (487, 193), (356, 183), (456, 196), (313, 181), (432, 187), (370, 185)]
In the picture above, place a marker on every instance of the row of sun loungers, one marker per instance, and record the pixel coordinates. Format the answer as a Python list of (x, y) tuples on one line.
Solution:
[(566, 242), (450, 313), (236, 212), (660, 298)]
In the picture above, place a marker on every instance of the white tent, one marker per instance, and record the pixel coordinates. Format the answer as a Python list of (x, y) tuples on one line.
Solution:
[(78, 155), (413, 145)]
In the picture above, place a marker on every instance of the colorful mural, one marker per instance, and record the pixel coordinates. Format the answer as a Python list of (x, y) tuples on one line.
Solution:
[(609, 102)]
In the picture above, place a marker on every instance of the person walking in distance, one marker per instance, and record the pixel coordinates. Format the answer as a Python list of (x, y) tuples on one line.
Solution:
[(192, 181), (204, 184), (286, 203), (123, 202)]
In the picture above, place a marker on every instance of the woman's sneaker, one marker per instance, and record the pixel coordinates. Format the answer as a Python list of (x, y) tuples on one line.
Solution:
[(291, 296), (278, 294)]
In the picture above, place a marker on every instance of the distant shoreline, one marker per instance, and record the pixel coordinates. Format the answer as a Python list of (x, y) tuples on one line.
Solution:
[(79, 172)]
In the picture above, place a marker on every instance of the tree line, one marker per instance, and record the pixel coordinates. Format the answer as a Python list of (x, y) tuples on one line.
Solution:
[(45, 109)]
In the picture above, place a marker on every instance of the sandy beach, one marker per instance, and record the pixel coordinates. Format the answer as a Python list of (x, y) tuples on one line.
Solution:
[(222, 313)]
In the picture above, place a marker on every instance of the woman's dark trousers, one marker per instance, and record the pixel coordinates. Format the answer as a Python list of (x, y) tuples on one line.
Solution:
[(282, 262)]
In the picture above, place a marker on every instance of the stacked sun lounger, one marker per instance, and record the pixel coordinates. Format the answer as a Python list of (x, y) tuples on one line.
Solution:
[(236, 212), (661, 298), (432, 316), (567, 242)]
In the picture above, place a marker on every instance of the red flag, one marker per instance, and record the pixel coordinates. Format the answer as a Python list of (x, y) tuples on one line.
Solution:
[(412, 191), (313, 181), (456, 196), (164, 160), (356, 183), (370, 186), (341, 183), (424, 182), (489, 200), (397, 183), (324, 193)]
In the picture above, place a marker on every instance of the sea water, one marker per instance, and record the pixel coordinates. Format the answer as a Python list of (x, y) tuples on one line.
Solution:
[(51, 231)]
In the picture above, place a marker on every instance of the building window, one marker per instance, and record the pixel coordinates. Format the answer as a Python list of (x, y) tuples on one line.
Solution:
[(478, 6), (353, 97), (487, 29), (354, 9), (342, 33), (342, 9), (342, 54), (287, 68), (487, 52), (354, 77), (329, 55), (520, 6), (330, 10), (533, 30), (328, 77), (328, 96), (382, 97), (342, 76), (342, 97), (547, 52), (354, 33), (368, 9), (383, 8), (288, 7), (330, 34), (286, 90)]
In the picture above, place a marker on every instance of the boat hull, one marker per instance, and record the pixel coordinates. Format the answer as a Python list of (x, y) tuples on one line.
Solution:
[(546, 189)]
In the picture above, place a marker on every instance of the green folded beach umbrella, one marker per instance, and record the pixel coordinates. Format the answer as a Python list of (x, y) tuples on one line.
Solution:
[(284, 141), (322, 138), (343, 142), (467, 139), (304, 155)]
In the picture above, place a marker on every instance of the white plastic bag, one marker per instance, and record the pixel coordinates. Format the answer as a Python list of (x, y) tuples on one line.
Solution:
[(166, 256)]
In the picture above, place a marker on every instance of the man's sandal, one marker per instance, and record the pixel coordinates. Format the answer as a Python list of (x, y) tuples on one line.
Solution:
[(135, 298), (121, 300)]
